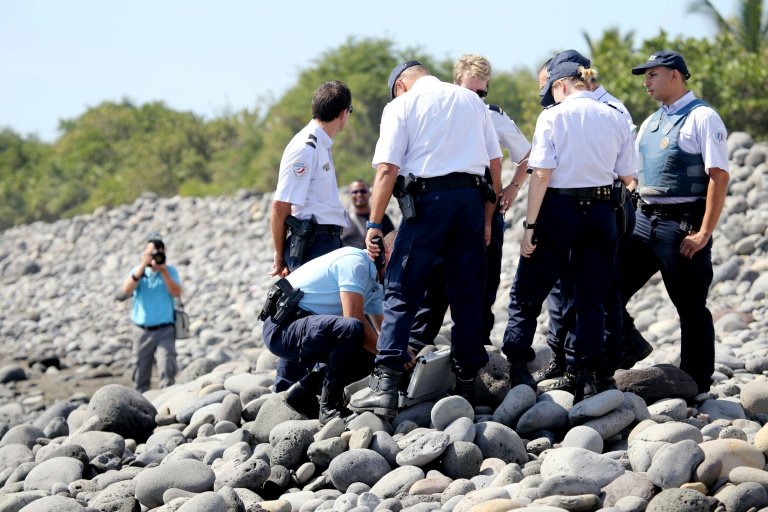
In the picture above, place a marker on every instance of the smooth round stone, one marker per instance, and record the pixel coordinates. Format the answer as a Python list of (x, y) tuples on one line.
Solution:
[(449, 409), (596, 406), (95, 443), (321, 453), (754, 397), (53, 504), (461, 460), (567, 485), (424, 450), (744, 474), (675, 408), (726, 454), (744, 496), (397, 481), (430, 485), (207, 502), (670, 432), (583, 437), (578, 461), (628, 484), (543, 415), (383, 444), (499, 441), (359, 465), (612, 423), (361, 438), (51, 471), (679, 500), (674, 464), (188, 475), (518, 400), (461, 429), (22, 434), (725, 409)]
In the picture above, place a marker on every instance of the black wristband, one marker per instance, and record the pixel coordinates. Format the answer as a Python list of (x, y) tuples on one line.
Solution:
[(133, 276)]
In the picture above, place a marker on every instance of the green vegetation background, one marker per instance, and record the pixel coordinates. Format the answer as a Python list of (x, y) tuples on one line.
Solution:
[(115, 151)]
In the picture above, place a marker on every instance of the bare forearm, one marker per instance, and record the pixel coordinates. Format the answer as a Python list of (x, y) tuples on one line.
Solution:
[(383, 185)]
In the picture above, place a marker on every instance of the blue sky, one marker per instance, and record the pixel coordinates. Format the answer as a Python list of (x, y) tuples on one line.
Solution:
[(59, 57)]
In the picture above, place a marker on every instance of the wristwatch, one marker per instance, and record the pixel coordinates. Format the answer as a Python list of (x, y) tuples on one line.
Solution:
[(527, 225), (372, 225)]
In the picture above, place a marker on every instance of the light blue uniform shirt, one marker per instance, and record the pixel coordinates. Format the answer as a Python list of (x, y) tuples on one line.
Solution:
[(344, 270), (152, 302)]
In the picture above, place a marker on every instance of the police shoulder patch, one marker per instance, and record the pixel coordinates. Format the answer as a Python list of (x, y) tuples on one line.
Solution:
[(299, 169), (719, 136)]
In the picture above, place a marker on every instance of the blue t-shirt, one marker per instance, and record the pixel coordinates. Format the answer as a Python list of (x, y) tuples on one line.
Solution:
[(152, 302), (344, 270)]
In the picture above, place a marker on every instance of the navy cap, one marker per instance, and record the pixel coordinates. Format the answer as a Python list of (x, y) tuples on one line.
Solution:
[(668, 59), (564, 64), (395, 74)]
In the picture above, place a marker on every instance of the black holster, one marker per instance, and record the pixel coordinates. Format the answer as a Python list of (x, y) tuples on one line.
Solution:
[(619, 196), (282, 303), (404, 193), (302, 235), (487, 189)]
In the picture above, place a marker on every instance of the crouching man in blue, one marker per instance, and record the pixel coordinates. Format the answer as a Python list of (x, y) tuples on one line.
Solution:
[(326, 322)]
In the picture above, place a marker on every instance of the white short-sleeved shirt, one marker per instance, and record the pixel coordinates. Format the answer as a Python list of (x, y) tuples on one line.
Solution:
[(307, 178), (344, 270), (436, 128), (510, 136), (604, 96), (586, 143)]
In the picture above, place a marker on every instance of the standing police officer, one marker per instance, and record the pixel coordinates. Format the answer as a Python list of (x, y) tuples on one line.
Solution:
[(307, 196), (436, 140), (683, 179), (580, 147), (474, 73)]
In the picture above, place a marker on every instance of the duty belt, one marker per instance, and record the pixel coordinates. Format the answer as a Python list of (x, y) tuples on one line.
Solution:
[(673, 210), (585, 193), (328, 229), (451, 181), (153, 327)]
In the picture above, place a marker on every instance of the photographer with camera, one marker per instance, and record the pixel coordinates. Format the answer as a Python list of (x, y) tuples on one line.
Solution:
[(153, 284)]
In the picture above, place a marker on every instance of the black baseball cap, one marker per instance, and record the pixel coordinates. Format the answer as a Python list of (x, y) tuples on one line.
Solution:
[(395, 74), (565, 64), (668, 59)]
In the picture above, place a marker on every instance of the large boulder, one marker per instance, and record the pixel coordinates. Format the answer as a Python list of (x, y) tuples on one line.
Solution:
[(124, 411)]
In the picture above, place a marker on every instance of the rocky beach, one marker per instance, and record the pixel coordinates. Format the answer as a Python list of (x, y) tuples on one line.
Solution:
[(74, 435)]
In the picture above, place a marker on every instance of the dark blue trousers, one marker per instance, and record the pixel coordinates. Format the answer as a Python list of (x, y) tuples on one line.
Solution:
[(450, 224), (562, 315), (574, 239), (334, 340), (655, 246), (289, 372), (431, 314)]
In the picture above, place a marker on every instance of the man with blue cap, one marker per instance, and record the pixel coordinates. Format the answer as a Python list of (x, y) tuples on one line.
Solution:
[(436, 140), (682, 181), (580, 147)]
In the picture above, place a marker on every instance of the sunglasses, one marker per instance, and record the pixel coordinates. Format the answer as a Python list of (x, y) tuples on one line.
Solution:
[(351, 109), (362, 191)]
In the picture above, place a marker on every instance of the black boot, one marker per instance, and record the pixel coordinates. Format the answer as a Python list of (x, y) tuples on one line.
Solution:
[(332, 404), (519, 374), (556, 368), (465, 389), (632, 348), (586, 385), (566, 382), (605, 381), (381, 397), (302, 395)]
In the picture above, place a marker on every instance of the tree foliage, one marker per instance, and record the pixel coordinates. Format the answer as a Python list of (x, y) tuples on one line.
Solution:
[(115, 151)]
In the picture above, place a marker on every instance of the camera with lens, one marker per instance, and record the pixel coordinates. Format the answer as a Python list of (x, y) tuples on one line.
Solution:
[(158, 257)]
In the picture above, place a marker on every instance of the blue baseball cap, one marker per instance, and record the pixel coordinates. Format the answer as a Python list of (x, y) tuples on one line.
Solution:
[(395, 74), (668, 59), (565, 64)]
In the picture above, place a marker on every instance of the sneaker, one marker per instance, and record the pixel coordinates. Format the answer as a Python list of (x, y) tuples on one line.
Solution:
[(518, 374), (633, 348), (555, 369)]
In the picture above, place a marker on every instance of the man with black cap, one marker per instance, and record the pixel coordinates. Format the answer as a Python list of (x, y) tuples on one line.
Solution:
[(436, 139), (307, 197), (580, 147), (153, 284), (682, 181)]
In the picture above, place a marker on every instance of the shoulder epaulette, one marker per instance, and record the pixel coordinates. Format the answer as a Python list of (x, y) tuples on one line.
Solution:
[(496, 108), (311, 140)]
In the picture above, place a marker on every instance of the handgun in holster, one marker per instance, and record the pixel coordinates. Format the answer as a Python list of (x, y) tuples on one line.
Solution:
[(487, 187), (619, 196), (404, 190), (282, 303), (302, 235)]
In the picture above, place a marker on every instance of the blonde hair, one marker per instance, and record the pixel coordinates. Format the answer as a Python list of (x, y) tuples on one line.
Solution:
[(475, 66), (585, 77)]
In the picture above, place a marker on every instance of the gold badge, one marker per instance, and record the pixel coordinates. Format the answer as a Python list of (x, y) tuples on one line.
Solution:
[(664, 143)]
